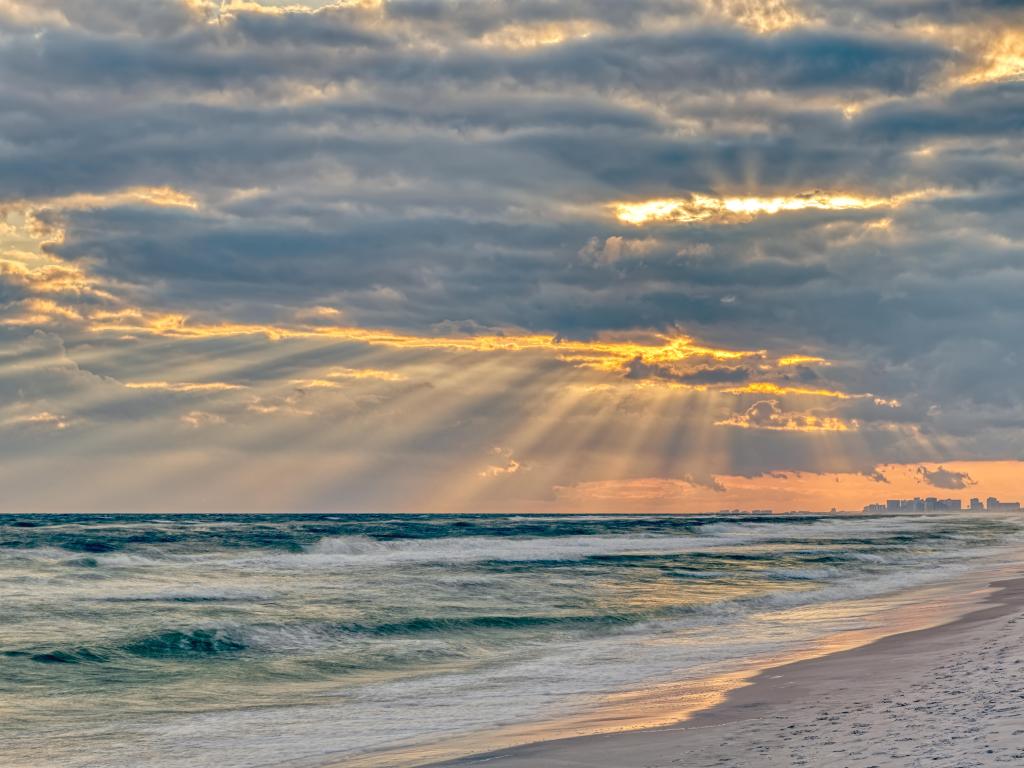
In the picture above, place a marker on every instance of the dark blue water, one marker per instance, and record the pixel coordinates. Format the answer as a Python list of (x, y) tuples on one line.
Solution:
[(294, 640)]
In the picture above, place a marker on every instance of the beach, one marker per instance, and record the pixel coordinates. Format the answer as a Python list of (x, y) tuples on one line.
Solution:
[(372, 641), (951, 695)]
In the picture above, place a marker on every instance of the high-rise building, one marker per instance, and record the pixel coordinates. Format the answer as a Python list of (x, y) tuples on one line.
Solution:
[(995, 505), (930, 504)]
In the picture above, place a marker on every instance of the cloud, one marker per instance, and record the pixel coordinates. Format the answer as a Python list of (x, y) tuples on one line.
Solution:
[(877, 475), (637, 369), (768, 415), (615, 249), (699, 208), (944, 478), (709, 482), (507, 464)]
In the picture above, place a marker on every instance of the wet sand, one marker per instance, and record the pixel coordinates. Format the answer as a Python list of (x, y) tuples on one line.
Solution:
[(950, 695)]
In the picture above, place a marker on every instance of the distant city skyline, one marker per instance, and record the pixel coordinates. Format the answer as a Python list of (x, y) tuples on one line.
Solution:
[(934, 504)]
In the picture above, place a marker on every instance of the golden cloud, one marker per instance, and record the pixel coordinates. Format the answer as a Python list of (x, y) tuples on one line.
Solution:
[(771, 388), (184, 386), (40, 419), (1001, 59), (699, 208), (763, 16), (47, 279), (364, 373), (539, 34), (802, 360), (767, 414)]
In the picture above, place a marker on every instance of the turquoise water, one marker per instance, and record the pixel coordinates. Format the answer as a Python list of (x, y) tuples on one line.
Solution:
[(173, 641)]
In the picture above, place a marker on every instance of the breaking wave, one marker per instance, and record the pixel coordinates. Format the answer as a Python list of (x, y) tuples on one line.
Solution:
[(418, 627)]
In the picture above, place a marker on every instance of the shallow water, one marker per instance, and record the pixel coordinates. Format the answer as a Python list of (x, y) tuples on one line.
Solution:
[(268, 640)]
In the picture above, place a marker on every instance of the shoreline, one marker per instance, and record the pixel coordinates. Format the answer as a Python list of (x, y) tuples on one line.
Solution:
[(758, 719)]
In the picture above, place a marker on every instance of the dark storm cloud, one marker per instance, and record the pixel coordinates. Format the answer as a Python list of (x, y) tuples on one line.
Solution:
[(941, 11), (981, 112), (944, 478), (640, 370), (258, 50)]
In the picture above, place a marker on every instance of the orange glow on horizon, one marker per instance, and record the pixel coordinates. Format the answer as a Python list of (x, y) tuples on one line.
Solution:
[(786, 491)]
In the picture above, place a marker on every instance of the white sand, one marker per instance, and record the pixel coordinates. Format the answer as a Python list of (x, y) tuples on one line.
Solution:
[(947, 696)]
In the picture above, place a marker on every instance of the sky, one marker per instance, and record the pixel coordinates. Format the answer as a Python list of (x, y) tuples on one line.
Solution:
[(509, 255)]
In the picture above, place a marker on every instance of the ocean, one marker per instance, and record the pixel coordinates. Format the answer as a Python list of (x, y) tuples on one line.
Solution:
[(304, 640)]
